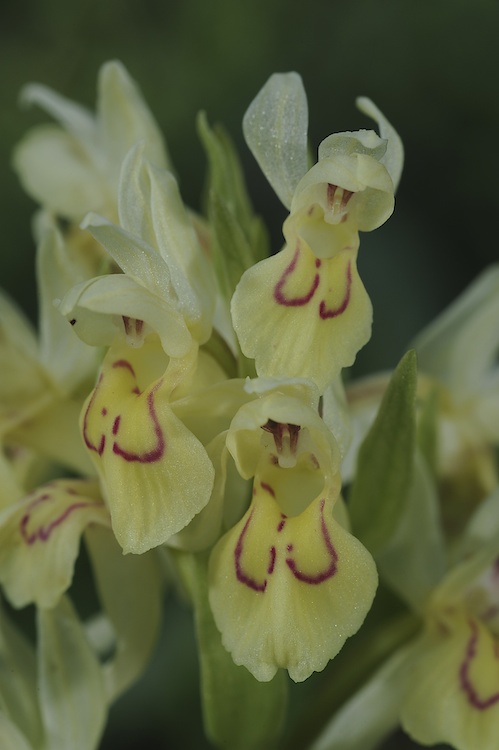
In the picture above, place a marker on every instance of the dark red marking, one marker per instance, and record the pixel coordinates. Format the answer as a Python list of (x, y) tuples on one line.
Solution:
[(324, 574), (157, 452), (271, 564), (124, 363), (481, 704), (131, 324), (281, 522), (318, 263), (267, 488), (243, 577), (280, 296), (277, 429), (333, 312), (147, 457), (99, 449), (345, 197), (42, 533)]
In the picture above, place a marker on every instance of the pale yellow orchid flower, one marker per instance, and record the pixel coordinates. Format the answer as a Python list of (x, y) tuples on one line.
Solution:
[(305, 312), (74, 167), (155, 473), (288, 584)]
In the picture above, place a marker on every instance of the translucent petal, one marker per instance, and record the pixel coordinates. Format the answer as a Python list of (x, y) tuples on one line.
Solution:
[(56, 171), (61, 351), (394, 157), (125, 119), (275, 128), (26, 387), (73, 117), (460, 346)]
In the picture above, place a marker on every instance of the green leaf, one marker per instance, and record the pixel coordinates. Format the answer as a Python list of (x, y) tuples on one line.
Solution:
[(239, 238), (385, 463), (414, 560), (427, 429), (240, 713)]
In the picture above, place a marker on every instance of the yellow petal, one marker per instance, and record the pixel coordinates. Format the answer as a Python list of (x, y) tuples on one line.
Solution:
[(300, 316), (40, 539), (454, 688), (157, 475), (287, 592)]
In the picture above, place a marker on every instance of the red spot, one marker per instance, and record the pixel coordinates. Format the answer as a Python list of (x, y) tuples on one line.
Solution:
[(103, 411), (318, 263), (281, 522), (149, 456), (267, 488), (271, 565), (42, 533), (124, 363)]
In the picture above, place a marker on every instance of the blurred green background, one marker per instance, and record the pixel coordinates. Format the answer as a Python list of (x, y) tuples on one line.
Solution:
[(431, 66)]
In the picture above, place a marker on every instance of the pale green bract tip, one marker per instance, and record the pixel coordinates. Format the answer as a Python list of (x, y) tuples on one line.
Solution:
[(394, 156), (275, 128)]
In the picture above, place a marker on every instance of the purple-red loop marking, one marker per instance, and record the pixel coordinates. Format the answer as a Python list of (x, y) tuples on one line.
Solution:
[(333, 312), (481, 704), (241, 575), (328, 572), (280, 296), (42, 533), (156, 453)]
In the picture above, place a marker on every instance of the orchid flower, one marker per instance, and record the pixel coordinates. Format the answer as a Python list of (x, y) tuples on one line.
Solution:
[(311, 291), (73, 167), (288, 571)]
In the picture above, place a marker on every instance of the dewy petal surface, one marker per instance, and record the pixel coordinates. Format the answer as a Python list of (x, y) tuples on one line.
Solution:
[(275, 128), (300, 316), (287, 592), (157, 475)]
